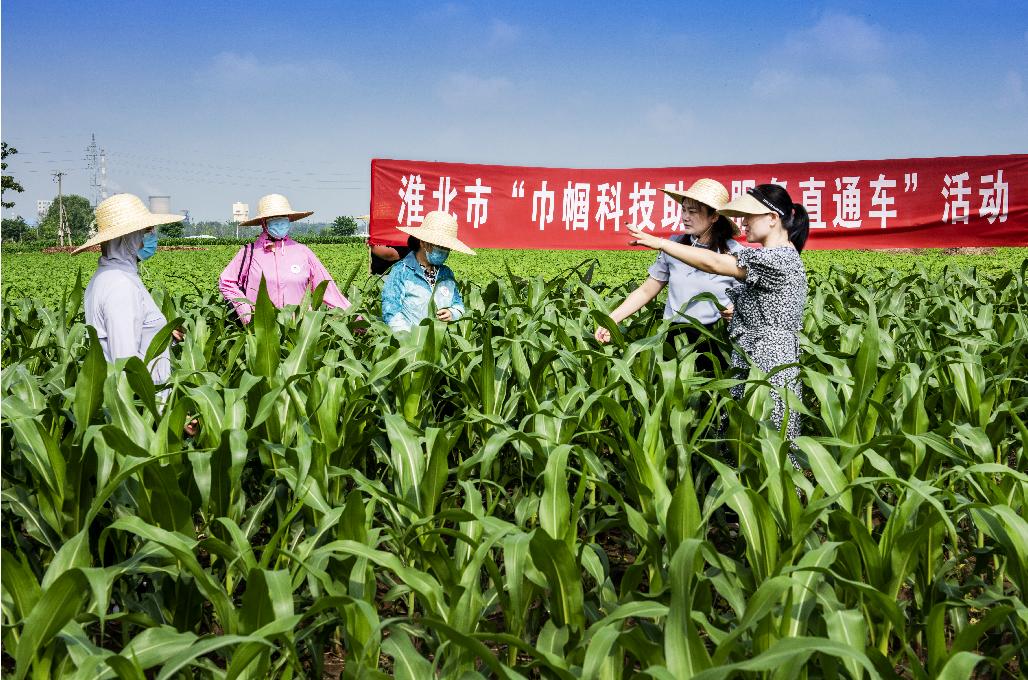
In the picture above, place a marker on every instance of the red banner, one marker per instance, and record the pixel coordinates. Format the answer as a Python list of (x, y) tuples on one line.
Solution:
[(908, 203)]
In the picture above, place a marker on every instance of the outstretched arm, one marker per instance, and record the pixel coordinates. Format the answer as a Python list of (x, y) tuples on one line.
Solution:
[(635, 301), (701, 258)]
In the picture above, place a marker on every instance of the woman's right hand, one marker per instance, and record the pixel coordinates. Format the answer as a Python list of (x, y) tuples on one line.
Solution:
[(727, 312), (602, 335)]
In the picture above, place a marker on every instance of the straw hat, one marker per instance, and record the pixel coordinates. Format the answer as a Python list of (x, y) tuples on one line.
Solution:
[(439, 229), (709, 192), (275, 205), (123, 214)]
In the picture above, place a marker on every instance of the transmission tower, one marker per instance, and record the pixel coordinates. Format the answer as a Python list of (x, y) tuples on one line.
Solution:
[(93, 163), (62, 218)]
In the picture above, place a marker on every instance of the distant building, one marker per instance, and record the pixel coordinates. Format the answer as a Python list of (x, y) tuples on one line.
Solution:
[(160, 204), (42, 208), (240, 212)]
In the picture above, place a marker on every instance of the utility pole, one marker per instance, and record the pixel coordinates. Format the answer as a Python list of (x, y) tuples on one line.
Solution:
[(62, 218)]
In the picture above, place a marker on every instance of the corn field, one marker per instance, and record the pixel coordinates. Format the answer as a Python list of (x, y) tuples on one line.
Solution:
[(503, 498)]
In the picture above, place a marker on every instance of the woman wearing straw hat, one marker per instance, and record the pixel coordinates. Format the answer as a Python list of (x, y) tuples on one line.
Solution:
[(117, 304), (289, 268), (421, 277), (704, 228), (767, 312)]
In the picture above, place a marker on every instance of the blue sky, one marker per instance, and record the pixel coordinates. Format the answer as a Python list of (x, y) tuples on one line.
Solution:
[(219, 102)]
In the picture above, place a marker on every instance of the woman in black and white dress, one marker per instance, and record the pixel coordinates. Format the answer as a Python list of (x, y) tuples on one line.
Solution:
[(767, 311)]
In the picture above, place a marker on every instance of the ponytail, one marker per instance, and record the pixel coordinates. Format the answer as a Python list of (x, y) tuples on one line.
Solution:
[(798, 226), (794, 216)]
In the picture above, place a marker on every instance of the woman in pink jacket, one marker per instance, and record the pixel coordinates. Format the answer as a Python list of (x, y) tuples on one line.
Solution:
[(290, 268)]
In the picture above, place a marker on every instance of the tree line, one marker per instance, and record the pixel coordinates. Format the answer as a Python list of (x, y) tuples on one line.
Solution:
[(79, 214)]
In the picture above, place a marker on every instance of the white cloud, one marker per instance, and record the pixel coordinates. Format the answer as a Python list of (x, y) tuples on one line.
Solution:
[(502, 33), (771, 83), (811, 88), (235, 71), (664, 119), (841, 38), (463, 90), (840, 61)]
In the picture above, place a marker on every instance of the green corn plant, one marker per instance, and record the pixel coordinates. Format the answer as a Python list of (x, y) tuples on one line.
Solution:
[(504, 497)]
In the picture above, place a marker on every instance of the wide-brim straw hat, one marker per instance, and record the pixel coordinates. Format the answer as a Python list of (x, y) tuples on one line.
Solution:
[(123, 214), (440, 229), (710, 193), (275, 205)]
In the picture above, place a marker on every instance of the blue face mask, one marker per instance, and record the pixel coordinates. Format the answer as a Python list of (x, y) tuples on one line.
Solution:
[(149, 246), (278, 227), (437, 256)]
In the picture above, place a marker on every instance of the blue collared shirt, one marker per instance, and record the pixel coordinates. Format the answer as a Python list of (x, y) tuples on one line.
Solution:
[(406, 294)]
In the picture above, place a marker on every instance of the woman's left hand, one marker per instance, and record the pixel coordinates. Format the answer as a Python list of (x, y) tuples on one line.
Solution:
[(643, 238), (444, 314), (178, 334)]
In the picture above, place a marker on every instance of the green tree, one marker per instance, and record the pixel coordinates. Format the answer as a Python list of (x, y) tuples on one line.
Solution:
[(173, 230), (14, 229), (344, 225), (9, 183), (79, 214)]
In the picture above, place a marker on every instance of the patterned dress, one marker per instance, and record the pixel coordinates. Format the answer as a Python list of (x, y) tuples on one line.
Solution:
[(768, 317)]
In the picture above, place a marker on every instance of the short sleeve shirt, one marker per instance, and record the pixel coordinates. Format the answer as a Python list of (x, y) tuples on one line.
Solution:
[(684, 282)]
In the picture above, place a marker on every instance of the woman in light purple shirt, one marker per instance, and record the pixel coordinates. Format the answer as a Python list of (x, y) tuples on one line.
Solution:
[(290, 269), (703, 227), (116, 302)]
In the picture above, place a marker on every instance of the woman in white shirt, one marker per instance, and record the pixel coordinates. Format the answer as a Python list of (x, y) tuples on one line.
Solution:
[(703, 227), (117, 304)]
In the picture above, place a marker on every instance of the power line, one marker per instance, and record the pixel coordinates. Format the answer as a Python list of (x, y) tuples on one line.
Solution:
[(192, 164), (158, 172)]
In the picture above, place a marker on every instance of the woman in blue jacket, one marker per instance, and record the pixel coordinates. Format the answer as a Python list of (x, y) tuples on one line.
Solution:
[(421, 277)]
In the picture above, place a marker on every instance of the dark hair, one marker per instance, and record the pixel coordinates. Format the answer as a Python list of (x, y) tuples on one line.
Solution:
[(413, 243), (794, 216), (721, 231)]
